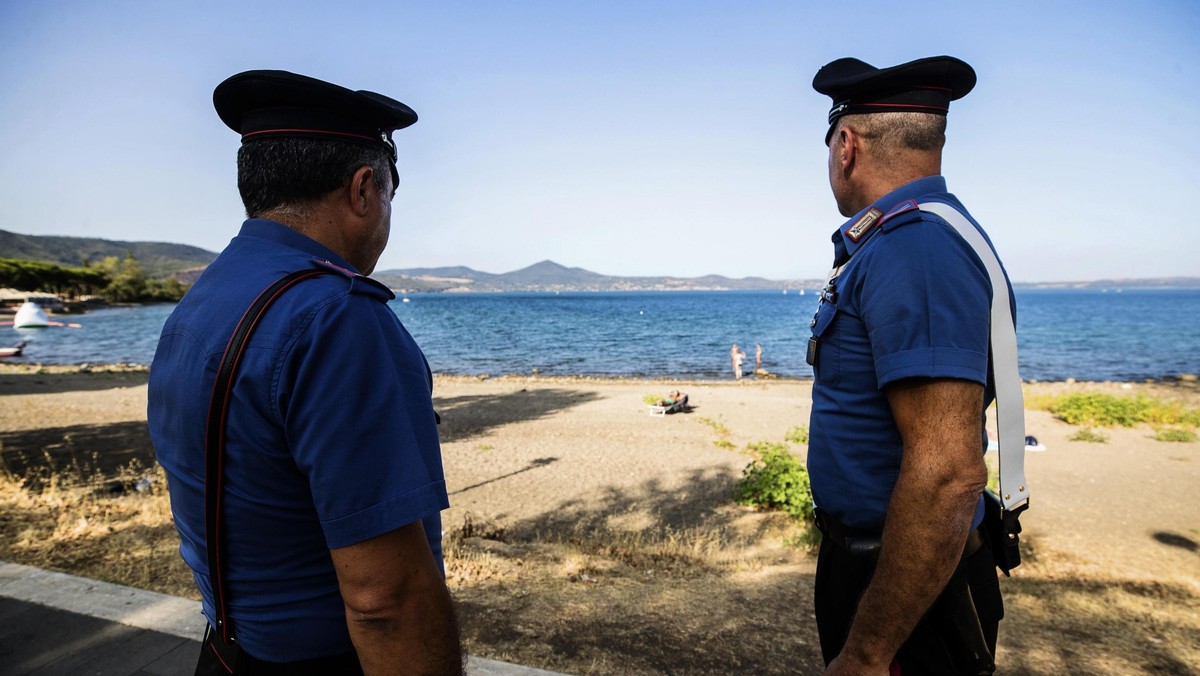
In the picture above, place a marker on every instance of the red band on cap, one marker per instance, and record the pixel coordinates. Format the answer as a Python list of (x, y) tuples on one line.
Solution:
[(310, 131), (940, 109)]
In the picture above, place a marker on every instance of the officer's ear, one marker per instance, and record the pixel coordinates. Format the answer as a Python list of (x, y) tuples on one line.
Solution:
[(844, 147), (361, 191)]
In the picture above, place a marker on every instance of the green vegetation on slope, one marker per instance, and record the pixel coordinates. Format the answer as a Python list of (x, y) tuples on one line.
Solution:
[(157, 259), (118, 280)]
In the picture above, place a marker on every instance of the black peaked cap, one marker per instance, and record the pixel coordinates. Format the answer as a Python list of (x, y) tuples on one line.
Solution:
[(275, 103), (926, 85)]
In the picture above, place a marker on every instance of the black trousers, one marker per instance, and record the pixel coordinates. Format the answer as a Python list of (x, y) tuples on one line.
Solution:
[(241, 663), (935, 646)]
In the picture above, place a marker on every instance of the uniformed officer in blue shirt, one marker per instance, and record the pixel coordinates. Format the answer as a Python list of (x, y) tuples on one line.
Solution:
[(328, 559), (900, 353)]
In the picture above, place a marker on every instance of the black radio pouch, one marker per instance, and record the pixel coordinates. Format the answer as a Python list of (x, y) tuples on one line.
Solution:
[(230, 658), (1002, 529)]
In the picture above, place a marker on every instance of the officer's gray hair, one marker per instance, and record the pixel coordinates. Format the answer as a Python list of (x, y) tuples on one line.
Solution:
[(900, 131), (290, 175)]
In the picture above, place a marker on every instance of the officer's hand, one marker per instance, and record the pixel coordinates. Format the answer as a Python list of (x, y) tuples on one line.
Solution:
[(845, 665)]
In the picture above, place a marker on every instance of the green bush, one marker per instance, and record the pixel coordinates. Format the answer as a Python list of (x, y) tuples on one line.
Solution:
[(1088, 434), (1103, 410), (776, 480), (797, 435), (1106, 410), (50, 278), (1174, 434), (716, 426)]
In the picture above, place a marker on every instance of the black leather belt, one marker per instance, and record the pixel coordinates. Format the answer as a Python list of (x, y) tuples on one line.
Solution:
[(861, 541)]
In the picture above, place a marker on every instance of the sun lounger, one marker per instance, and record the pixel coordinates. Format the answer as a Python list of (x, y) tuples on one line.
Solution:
[(675, 402)]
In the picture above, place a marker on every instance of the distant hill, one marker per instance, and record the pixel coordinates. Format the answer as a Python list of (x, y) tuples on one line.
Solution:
[(158, 259), (551, 276), (185, 263)]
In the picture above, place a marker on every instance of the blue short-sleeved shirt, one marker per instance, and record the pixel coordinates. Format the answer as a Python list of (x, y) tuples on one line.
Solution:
[(912, 300), (331, 436)]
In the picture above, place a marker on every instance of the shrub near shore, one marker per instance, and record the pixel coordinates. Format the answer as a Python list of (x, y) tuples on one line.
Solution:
[(1172, 420)]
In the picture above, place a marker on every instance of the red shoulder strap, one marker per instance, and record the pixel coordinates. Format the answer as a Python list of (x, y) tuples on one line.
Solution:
[(214, 440)]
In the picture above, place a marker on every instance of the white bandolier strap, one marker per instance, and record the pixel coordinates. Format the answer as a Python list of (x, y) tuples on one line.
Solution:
[(1010, 403)]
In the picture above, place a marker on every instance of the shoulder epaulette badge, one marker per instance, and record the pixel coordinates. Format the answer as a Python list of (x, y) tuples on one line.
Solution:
[(359, 283), (863, 225)]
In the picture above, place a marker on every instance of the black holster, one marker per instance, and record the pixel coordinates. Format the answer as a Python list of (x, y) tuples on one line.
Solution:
[(953, 616), (1002, 530)]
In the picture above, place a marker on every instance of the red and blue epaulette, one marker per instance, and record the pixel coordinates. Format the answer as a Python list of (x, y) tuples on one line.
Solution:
[(359, 283)]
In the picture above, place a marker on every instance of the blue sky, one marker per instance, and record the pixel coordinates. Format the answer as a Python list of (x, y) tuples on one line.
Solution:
[(630, 138)]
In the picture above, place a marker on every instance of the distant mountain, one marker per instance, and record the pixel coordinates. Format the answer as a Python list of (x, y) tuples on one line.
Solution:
[(185, 263), (551, 276), (455, 272), (158, 259)]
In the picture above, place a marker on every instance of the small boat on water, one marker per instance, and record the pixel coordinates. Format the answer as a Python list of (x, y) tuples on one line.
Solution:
[(30, 316), (12, 351)]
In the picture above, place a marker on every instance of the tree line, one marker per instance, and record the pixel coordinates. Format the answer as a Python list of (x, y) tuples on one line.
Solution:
[(118, 280)]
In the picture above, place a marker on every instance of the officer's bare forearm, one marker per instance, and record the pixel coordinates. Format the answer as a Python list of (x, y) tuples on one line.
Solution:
[(398, 609), (941, 476), (418, 635), (922, 543)]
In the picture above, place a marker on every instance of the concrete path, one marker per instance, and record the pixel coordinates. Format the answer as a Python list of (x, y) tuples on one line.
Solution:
[(52, 624)]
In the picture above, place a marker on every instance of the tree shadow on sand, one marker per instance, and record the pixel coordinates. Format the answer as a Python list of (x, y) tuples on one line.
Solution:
[(697, 502), (1176, 540), (84, 449), (663, 598), (533, 464), (590, 598), (57, 383), (1094, 626), (467, 416)]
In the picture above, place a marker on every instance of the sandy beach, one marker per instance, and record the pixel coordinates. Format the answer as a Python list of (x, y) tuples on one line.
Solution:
[(564, 491)]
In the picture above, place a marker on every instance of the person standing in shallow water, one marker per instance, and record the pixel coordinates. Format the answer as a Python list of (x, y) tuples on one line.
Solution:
[(330, 487), (900, 351), (736, 357)]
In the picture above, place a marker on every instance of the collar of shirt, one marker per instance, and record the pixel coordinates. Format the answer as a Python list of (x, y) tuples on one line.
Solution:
[(281, 234), (844, 245)]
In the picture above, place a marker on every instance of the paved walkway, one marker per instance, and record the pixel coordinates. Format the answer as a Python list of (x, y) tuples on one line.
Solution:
[(52, 624)]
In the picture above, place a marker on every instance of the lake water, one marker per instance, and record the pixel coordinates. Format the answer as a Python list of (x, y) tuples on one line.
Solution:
[(1081, 334)]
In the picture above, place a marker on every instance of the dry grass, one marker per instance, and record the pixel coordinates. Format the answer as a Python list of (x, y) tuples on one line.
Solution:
[(1062, 622), (601, 596), (598, 597), (595, 597), (112, 528)]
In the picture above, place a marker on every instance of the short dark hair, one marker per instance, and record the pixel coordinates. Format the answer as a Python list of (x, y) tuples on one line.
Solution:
[(292, 172), (901, 131)]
